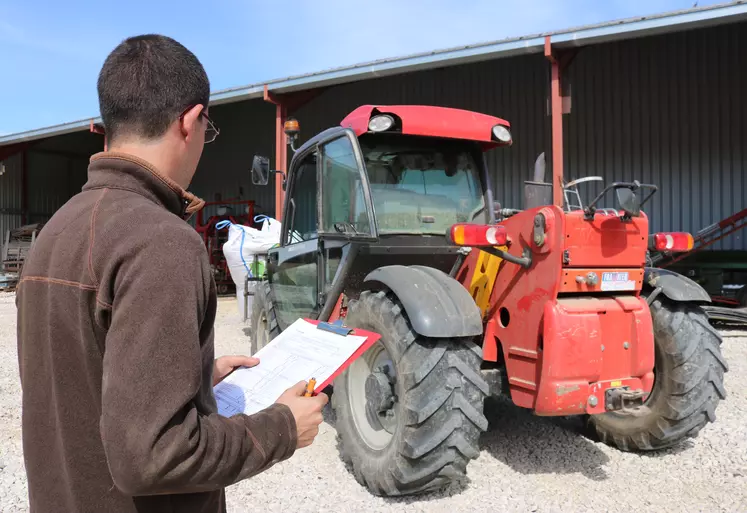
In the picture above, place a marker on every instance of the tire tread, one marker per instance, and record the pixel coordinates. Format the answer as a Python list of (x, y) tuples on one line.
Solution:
[(441, 408), (695, 382)]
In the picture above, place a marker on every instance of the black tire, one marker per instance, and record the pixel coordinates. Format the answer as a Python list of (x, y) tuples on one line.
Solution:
[(264, 322), (688, 383), (438, 411)]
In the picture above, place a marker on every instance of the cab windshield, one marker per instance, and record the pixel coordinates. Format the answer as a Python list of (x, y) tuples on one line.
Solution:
[(422, 185)]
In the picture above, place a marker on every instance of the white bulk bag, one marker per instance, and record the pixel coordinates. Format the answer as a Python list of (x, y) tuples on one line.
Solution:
[(244, 242)]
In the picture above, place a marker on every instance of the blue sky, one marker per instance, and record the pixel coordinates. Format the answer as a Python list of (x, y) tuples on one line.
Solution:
[(51, 51)]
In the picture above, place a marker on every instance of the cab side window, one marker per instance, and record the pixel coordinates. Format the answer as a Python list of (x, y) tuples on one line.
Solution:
[(303, 213)]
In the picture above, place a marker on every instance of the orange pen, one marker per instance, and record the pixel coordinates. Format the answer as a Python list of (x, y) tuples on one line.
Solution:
[(310, 388)]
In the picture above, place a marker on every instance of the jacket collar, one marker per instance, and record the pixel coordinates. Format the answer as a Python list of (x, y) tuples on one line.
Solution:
[(116, 170)]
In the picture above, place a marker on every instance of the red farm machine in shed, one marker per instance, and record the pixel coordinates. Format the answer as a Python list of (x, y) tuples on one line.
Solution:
[(215, 238), (389, 225)]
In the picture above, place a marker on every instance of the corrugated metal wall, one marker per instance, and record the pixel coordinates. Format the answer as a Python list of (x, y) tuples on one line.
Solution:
[(668, 110), (246, 128), (53, 179), (11, 201)]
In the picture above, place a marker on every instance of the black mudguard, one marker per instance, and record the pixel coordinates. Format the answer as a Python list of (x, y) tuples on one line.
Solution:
[(674, 286), (436, 304)]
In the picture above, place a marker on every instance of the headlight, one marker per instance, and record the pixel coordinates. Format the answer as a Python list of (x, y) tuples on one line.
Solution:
[(380, 123), (501, 133)]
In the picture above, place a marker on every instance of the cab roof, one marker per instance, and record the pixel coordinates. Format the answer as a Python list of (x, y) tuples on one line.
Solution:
[(430, 121)]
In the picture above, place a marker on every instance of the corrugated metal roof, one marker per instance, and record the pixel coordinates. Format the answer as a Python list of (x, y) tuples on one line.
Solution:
[(608, 31)]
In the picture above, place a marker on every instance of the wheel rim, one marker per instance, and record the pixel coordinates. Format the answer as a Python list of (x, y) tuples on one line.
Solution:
[(376, 430)]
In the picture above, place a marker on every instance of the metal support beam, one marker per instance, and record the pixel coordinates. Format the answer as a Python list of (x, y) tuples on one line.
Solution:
[(13, 149), (98, 129), (556, 109), (560, 103), (284, 105), (281, 158), (281, 150)]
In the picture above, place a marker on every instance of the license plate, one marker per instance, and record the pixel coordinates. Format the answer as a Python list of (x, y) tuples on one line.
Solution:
[(617, 281)]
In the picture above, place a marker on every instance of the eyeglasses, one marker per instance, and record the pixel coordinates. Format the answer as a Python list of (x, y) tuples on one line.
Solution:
[(211, 132)]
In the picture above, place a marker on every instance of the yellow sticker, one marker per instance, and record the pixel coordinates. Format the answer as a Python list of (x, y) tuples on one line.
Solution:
[(483, 279), (616, 384)]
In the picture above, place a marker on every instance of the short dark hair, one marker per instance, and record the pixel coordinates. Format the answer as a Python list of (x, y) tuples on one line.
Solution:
[(146, 83)]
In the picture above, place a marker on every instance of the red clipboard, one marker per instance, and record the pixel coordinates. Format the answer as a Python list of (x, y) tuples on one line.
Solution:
[(371, 339)]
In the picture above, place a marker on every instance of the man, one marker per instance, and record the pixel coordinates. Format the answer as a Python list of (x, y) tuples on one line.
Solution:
[(115, 318)]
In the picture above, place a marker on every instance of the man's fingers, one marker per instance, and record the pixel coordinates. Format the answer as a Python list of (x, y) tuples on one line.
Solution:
[(299, 388), (246, 361), (308, 437), (322, 398), (249, 361), (240, 360)]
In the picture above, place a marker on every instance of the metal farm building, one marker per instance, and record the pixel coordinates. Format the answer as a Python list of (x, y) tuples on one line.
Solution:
[(659, 99)]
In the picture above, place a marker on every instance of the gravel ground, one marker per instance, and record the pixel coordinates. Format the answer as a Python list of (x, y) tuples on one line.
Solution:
[(527, 463)]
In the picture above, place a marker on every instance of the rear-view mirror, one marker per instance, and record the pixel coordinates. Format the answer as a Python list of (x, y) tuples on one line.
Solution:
[(260, 170), (629, 202)]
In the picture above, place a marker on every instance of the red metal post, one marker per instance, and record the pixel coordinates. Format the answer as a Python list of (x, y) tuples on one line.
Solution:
[(556, 109), (97, 129), (281, 156), (284, 105), (281, 150)]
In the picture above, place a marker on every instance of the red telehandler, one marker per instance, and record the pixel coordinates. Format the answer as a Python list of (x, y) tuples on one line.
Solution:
[(389, 225)]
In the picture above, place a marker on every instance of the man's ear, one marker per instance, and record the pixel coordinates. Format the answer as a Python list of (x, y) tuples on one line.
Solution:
[(191, 121)]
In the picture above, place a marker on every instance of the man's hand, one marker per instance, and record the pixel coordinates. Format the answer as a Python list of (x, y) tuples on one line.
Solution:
[(306, 410), (225, 365)]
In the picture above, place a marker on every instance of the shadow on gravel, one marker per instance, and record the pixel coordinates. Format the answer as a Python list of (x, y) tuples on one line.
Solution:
[(540, 445), (328, 414)]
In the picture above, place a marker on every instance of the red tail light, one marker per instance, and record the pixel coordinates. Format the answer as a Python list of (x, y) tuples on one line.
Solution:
[(672, 241), (478, 235)]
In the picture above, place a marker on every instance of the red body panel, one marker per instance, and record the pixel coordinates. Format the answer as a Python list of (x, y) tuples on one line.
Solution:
[(550, 328), (432, 122), (523, 294), (605, 241), (585, 352)]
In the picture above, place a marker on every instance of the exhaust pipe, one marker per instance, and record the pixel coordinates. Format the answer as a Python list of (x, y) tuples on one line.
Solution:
[(537, 192), (539, 168)]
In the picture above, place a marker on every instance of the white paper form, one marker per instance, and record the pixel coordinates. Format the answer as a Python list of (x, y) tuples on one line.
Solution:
[(299, 353)]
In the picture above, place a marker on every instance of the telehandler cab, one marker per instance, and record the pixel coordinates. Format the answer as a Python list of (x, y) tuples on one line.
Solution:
[(389, 224)]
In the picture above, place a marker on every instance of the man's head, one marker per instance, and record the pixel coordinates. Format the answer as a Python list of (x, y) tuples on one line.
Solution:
[(153, 96)]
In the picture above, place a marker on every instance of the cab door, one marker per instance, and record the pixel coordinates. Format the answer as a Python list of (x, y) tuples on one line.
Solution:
[(346, 208), (328, 199)]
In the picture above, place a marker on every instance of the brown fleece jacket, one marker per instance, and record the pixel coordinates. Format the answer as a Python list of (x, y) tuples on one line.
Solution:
[(115, 345)]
